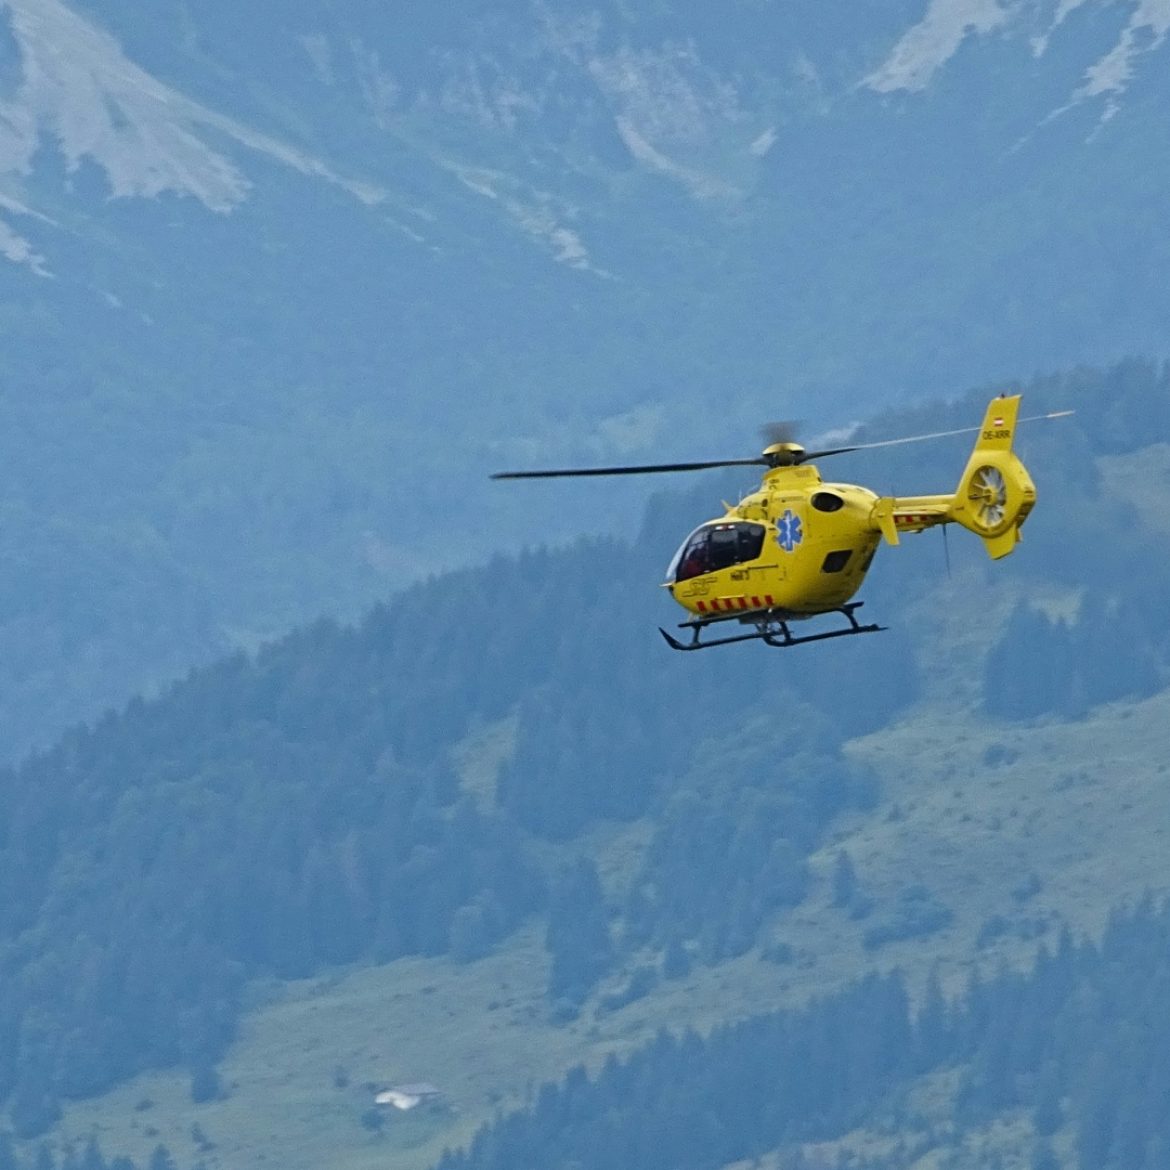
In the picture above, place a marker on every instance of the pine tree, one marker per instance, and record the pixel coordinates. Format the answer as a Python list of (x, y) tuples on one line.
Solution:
[(676, 963), (1048, 1115), (845, 883), (470, 936), (205, 1083), (578, 934), (1044, 1156), (8, 1159), (932, 1028), (92, 1158), (34, 1107)]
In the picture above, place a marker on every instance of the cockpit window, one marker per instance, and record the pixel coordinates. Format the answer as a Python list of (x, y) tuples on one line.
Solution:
[(716, 546)]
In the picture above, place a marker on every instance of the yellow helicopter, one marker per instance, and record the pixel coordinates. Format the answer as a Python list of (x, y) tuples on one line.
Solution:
[(799, 547)]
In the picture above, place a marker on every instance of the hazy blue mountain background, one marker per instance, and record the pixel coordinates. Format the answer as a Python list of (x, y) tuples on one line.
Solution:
[(544, 838), (430, 799), (283, 283)]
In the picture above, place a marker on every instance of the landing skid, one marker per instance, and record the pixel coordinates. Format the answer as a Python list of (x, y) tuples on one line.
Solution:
[(771, 628)]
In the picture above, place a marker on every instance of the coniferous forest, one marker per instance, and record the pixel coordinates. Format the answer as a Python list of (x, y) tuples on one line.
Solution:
[(1083, 1036), (300, 809)]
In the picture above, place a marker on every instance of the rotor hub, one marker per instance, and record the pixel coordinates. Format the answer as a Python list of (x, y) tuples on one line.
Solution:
[(784, 454)]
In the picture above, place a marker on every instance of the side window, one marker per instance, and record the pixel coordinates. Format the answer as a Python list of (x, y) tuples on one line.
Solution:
[(716, 546), (827, 502), (836, 561), (723, 543), (733, 544), (751, 541)]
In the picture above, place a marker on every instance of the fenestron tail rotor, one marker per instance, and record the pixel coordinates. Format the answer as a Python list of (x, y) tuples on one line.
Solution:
[(987, 491)]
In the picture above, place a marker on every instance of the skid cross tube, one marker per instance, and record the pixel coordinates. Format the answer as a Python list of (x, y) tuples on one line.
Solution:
[(771, 628)]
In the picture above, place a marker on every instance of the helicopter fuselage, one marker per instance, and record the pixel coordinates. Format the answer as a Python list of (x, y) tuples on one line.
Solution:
[(797, 545)]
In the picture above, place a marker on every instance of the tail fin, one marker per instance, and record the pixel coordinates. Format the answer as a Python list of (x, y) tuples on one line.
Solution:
[(996, 493)]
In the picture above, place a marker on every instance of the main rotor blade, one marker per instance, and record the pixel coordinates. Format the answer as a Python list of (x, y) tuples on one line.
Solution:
[(646, 469), (921, 438)]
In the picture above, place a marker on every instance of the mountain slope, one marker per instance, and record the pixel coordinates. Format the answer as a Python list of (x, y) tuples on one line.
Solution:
[(1016, 850), (515, 744), (282, 286)]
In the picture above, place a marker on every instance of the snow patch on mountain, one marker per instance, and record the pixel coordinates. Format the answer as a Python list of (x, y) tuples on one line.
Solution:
[(677, 117), (1110, 76), (380, 91), (17, 249), (535, 213), (79, 88), (929, 45), (925, 48), (700, 184), (79, 91), (674, 115), (479, 90), (764, 143), (320, 54), (1064, 10), (368, 193)]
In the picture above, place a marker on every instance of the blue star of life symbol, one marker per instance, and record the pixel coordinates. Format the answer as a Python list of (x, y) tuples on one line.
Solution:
[(788, 531)]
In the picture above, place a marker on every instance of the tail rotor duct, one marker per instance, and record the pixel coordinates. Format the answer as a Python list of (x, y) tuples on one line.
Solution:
[(988, 492)]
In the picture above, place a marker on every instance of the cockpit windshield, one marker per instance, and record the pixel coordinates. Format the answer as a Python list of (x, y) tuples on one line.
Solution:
[(716, 546)]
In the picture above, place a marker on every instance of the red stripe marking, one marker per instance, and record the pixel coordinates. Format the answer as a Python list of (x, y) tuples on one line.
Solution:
[(755, 603), (702, 607), (767, 599), (743, 603)]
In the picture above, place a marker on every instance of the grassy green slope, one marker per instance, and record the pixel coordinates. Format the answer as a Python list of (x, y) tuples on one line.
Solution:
[(1017, 829), (932, 1143)]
